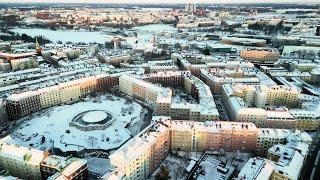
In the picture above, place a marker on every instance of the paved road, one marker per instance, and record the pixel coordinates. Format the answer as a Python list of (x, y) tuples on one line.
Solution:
[(221, 108)]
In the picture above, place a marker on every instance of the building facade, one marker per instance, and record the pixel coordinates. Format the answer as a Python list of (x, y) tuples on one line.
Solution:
[(260, 54), (26, 103), (23, 104), (21, 161), (69, 168)]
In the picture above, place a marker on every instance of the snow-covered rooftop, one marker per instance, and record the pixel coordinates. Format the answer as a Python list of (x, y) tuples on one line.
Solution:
[(256, 168)]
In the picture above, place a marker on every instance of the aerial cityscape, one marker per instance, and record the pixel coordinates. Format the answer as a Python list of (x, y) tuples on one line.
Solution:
[(149, 90)]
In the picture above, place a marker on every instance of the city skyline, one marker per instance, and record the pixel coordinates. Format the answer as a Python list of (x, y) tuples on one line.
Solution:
[(162, 2)]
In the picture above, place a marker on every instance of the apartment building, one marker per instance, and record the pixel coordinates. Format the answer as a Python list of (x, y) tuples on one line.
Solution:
[(276, 95), (134, 164), (206, 107), (180, 111), (279, 118), (161, 97), (198, 136), (239, 136), (21, 161), (159, 137), (116, 60), (241, 111), (215, 81), (306, 119), (283, 162), (164, 104), (87, 85), (195, 62), (260, 54), (65, 92), (256, 169), (26, 103), (167, 78), (238, 111), (267, 137), (23, 104), (153, 144), (68, 168), (140, 89), (69, 91), (164, 134), (287, 162), (29, 163), (49, 96), (181, 136), (105, 81), (247, 102), (204, 110), (282, 95)]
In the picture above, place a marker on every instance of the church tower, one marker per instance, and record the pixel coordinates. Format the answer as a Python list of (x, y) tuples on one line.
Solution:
[(38, 48), (154, 40)]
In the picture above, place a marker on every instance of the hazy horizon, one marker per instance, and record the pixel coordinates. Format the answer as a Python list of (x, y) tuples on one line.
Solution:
[(162, 2)]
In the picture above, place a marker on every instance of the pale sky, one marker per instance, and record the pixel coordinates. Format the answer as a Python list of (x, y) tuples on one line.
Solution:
[(164, 1)]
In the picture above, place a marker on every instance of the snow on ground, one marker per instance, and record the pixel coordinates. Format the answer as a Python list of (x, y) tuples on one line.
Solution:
[(175, 165), (177, 161), (180, 96), (98, 165), (53, 125)]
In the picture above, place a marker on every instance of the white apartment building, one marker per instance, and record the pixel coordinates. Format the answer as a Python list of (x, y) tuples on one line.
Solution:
[(21, 161), (287, 162), (247, 103), (134, 163), (283, 162), (161, 97), (141, 155), (256, 169), (140, 89), (49, 96), (69, 91), (267, 137), (276, 95)]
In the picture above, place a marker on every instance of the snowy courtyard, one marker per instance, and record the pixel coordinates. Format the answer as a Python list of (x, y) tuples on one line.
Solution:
[(51, 128)]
